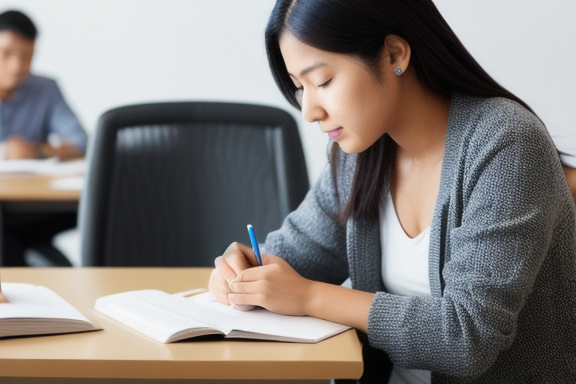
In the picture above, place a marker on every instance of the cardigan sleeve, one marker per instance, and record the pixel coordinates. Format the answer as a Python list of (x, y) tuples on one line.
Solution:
[(311, 239), (500, 222)]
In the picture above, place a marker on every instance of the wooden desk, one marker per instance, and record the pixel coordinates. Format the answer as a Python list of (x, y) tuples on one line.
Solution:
[(119, 352), (32, 192)]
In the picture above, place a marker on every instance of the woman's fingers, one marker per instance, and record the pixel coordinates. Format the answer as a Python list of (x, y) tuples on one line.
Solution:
[(236, 259), (224, 269), (219, 287), (240, 257), (241, 294), (274, 286)]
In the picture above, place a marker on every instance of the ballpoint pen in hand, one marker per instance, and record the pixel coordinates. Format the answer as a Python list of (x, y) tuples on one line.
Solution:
[(254, 242)]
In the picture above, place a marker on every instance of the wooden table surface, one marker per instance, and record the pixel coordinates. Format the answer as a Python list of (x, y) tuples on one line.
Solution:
[(120, 352), (32, 187)]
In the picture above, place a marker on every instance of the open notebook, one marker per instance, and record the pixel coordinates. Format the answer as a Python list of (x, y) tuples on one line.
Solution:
[(168, 318), (37, 310)]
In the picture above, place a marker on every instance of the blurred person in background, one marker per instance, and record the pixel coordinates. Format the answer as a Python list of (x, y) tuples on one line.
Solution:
[(35, 122)]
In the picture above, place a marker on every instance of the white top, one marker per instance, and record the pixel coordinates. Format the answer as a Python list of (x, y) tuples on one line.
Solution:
[(404, 272)]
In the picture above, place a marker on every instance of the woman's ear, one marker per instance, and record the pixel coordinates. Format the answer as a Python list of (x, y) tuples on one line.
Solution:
[(396, 54)]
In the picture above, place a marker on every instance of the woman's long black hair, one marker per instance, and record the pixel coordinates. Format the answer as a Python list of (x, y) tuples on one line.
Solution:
[(358, 28)]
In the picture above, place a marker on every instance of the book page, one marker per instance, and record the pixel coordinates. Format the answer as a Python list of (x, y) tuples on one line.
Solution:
[(37, 310), (67, 184), (33, 301), (168, 318), (156, 314), (268, 325)]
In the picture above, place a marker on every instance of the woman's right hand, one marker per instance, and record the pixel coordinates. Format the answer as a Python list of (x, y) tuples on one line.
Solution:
[(235, 259)]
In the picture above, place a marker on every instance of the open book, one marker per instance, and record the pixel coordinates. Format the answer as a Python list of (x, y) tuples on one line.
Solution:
[(36, 310), (168, 318)]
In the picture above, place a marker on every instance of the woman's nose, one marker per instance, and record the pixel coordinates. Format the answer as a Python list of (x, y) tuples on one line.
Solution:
[(312, 110)]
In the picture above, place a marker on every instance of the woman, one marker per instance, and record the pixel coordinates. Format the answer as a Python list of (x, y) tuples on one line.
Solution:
[(445, 203)]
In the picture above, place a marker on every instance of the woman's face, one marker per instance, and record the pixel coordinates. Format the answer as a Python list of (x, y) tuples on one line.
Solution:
[(341, 93)]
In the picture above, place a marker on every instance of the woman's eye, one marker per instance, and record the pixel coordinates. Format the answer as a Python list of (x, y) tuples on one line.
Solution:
[(324, 84)]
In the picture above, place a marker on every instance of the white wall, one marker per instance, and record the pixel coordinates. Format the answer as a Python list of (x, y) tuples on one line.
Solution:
[(106, 53), (529, 46)]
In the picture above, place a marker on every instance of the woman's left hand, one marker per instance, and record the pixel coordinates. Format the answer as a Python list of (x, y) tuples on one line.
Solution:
[(275, 286)]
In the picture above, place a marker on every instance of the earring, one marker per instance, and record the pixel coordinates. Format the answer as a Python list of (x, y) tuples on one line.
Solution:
[(398, 71)]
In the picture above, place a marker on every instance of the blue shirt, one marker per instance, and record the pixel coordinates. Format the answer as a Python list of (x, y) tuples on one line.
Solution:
[(37, 109)]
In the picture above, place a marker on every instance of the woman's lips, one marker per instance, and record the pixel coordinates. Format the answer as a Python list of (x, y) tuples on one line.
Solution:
[(335, 134)]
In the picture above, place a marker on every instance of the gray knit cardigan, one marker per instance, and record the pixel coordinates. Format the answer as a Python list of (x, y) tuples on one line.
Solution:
[(502, 261)]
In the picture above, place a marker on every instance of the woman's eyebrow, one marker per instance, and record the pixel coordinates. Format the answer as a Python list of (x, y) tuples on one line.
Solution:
[(310, 68)]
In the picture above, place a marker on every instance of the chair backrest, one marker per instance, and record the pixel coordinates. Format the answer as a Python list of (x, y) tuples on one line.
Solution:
[(173, 184)]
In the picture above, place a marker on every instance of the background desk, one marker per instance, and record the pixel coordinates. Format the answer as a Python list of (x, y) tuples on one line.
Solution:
[(119, 352), (32, 192)]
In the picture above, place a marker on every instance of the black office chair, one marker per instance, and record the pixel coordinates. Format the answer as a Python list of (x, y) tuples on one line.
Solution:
[(173, 184)]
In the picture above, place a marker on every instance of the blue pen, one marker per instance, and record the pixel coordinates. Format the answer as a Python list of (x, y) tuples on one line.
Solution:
[(254, 242)]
